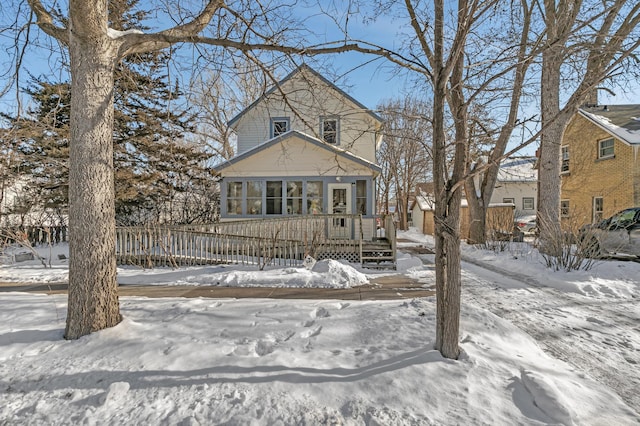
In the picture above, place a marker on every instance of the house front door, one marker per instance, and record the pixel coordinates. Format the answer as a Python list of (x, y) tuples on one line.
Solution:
[(340, 205)]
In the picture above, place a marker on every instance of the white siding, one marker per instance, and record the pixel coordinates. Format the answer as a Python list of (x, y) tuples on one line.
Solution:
[(517, 191), (296, 157), (309, 98), (418, 217)]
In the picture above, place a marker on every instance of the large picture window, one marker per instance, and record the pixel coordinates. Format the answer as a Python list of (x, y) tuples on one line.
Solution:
[(261, 197), (605, 148)]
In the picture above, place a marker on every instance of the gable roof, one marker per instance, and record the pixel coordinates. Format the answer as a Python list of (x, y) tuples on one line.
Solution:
[(303, 67), (303, 136), (620, 121)]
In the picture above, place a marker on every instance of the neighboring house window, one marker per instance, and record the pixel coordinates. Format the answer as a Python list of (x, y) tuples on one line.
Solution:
[(234, 198), (329, 130), (605, 148), (294, 197), (564, 168), (279, 126), (361, 197), (274, 197), (314, 197), (254, 197), (564, 208), (509, 200), (528, 203), (598, 208)]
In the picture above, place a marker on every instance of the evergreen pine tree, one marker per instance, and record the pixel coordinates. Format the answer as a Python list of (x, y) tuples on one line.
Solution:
[(157, 172)]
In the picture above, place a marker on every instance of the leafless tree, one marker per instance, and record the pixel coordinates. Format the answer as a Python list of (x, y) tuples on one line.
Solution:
[(94, 49), (439, 58), (586, 43), (405, 156), (217, 95), (509, 71)]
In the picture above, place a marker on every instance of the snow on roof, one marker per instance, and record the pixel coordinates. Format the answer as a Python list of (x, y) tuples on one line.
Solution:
[(518, 169), (427, 202), (621, 121)]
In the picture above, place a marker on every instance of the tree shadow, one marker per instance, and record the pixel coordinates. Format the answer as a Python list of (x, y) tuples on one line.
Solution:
[(102, 379)]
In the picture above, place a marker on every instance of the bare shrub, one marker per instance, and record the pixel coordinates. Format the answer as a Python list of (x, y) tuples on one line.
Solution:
[(18, 237), (566, 248), (500, 230)]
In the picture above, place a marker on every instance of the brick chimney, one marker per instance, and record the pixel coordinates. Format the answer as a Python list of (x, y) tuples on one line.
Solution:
[(592, 98)]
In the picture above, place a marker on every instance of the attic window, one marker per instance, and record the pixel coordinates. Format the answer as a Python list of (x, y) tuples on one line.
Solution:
[(329, 130), (279, 126)]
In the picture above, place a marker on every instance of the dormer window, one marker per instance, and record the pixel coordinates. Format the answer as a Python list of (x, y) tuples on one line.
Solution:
[(329, 130), (279, 126)]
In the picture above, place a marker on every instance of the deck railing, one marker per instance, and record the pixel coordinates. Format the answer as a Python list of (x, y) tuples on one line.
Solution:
[(279, 241)]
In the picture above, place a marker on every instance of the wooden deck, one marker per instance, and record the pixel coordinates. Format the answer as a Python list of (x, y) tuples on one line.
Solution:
[(281, 241)]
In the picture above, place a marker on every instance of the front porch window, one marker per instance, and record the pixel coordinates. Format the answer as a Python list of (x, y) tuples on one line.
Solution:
[(361, 197), (234, 198), (294, 197), (274, 197), (254, 198), (314, 197)]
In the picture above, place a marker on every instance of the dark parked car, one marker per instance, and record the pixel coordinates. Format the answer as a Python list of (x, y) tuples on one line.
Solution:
[(619, 234)]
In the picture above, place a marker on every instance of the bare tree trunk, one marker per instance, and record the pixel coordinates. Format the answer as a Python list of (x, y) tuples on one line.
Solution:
[(478, 199), (550, 148), (93, 290), (477, 214), (447, 199)]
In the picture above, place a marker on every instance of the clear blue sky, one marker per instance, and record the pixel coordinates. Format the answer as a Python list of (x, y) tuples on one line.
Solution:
[(367, 79)]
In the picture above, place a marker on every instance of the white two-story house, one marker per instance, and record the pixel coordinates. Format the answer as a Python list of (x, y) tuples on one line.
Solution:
[(305, 147)]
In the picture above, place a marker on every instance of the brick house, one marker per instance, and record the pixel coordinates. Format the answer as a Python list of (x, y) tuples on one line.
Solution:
[(600, 163)]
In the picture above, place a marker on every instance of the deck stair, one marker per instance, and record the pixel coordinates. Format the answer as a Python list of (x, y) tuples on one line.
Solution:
[(378, 254)]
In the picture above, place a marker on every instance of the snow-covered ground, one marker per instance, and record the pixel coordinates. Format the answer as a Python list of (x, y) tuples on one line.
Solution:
[(228, 361)]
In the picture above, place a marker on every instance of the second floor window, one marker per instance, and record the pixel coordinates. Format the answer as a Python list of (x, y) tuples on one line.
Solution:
[(564, 168), (279, 126), (329, 130), (605, 148)]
